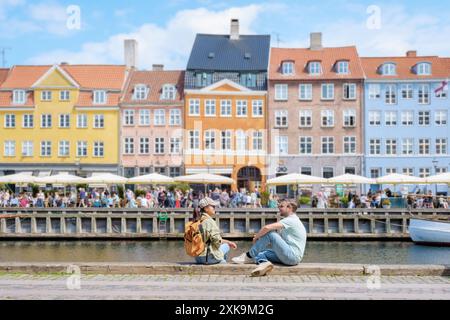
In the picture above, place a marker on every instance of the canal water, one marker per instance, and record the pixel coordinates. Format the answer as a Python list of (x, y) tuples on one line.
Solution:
[(173, 251)]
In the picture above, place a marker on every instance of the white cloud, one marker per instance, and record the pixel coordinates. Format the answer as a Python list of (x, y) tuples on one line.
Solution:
[(169, 45)]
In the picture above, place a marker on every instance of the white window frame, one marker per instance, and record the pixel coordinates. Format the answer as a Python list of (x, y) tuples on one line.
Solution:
[(343, 67), (391, 146), (305, 92), (327, 88), (175, 117), (144, 117), (98, 151), (325, 116), (287, 68), (347, 115), (99, 121), (349, 145), (440, 118), (329, 143), (226, 108), (159, 117), (241, 140), (281, 118), (351, 89), (99, 97), (374, 118), (375, 146), (210, 108), (64, 145), (307, 141), (9, 148), (64, 95), (257, 108), (424, 69), (315, 68), (390, 118), (441, 146), (407, 91), (374, 91), (424, 94), (407, 146), (424, 115), (46, 148), (28, 121), (282, 145), (64, 121), (82, 121), (281, 92), (140, 92), (194, 107), (144, 145), (169, 92), (175, 145), (82, 146), (19, 97), (424, 145), (128, 146), (258, 140), (407, 118), (128, 117), (390, 91), (210, 140), (226, 140), (10, 121), (46, 121), (27, 148), (46, 95), (306, 116), (194, 140), (242, 108), (389, 69)]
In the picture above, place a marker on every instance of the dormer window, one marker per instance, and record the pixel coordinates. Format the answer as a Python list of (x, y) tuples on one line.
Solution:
[(99, 97), (315, 68), (424, 69), (248, 80), (140, 92), (19, 97), (342, 67), (203, 79), (287, 67), (388, 69), (169, 92)]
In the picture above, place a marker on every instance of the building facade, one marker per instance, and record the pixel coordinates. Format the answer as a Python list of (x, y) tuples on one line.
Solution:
[(406, 116), (315, 110), (152, 123), (226, 107)]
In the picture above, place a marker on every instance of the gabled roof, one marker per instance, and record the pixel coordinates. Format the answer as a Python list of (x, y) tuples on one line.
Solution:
[(3, 74), (303, 56), (220, 53), (61, 71), (154, 80), (23, 77)]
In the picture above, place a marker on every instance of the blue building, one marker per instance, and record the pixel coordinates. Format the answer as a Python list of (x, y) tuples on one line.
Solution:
[(406, 116)]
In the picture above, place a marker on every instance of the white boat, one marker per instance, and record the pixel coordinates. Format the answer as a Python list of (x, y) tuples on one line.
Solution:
[(430, 232)]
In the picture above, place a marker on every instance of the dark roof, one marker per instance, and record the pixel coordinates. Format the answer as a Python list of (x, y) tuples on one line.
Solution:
[(230, 55)]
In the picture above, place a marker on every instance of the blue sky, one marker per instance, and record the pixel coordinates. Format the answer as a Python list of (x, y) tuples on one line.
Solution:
[(36, 30)]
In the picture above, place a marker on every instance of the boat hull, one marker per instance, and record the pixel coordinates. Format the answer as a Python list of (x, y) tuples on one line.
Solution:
[(430, 232)]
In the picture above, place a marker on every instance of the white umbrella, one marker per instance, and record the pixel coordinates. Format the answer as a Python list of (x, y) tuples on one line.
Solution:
[(205, 178), (63, 178), (295, 178), (153, 178), (350, 179), (443, 178), (19, 178), (396, 178), (105, 178)]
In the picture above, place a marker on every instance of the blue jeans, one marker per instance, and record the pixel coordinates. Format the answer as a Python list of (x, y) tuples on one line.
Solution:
[(224, 247), (280, 251)]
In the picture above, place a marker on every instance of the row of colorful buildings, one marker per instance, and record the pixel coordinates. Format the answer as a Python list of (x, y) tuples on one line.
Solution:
[(240, 109)]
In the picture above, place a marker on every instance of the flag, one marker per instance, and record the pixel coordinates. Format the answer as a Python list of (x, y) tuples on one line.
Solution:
[(443, 87)]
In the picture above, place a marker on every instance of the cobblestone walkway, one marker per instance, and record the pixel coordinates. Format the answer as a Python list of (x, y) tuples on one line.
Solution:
[(17, 286)]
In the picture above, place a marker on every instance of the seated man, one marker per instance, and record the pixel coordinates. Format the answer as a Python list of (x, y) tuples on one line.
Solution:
[(286, 247)]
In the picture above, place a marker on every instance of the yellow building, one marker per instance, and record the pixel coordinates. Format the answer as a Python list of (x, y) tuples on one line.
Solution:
[(61, 118)]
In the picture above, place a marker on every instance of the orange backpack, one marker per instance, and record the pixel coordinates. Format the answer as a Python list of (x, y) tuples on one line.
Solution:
[(193, 238)]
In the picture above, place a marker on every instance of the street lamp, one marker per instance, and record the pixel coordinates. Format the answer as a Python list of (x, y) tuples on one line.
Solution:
[(435, 165)]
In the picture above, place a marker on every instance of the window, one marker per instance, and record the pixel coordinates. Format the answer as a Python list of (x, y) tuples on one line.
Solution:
[(10, 120), (241, 140), (441, 90), (441, 146), (343, 67), (210, 140), (349, 145), (424, 94), (27, 148), (226, 140), (128, 145), (64, 120), (194, 140), (281, 145), (328, 91), (349, 91), (327, 172), (99, 149), (388, 69), (241, 108), (46, 148), (424, 146), (99, 97), (305, 92), (64, 95), (374, 91), (350, 170), (327, 118), (281, 118), (407, 118), (10, 148), (225, 108), (391, 147), (160, 117), (99, 121), (441, 170), (28, 121), (64, 147), (391, 94), (307, 171), (374, 118), (144, 145), (408, 171), (194, 107), (305, 145), (174, 172), (424, 118), (175, 117), (81, 148), (82, 120), (305, 118), (315, 68), (407, 146), (391, 170), (248, 80), (169, 92), (390, 118), (407, 91), (258, 140), (46, 121), (327, 145), (350, 118), (210, 108), (128, 117), (175, 145), (375, 146), (424, 172), (144, 117), (424, 69), (19, 96), (46, 95), (440, 118), (203, 79), (140, 92), (287, 68), (281, 92), (257, 108)]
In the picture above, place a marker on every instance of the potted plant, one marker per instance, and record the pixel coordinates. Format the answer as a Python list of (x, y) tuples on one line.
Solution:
[(304, 201), (344, 202), (386, 203), (265, 198)]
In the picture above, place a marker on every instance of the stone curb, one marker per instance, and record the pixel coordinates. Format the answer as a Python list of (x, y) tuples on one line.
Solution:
[(228, 269)]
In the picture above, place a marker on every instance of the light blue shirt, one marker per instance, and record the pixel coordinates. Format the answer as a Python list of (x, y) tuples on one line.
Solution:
[(294, 233)]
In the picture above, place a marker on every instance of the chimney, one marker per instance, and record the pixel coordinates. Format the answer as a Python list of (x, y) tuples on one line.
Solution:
[(234, 33), (130, 52), (316, 41), (158, 67), (411, 54)]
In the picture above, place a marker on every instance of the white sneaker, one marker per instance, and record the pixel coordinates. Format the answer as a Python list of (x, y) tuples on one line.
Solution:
[(243, 259), (263, 269)]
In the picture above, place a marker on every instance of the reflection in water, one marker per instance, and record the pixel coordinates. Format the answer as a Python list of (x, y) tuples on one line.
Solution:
[(173, 251)]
